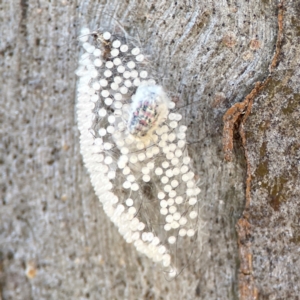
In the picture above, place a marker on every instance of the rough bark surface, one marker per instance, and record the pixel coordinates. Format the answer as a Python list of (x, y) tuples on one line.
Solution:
[(55, 240)]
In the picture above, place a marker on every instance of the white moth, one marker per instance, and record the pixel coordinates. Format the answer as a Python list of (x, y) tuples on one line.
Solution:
[(134, 144)]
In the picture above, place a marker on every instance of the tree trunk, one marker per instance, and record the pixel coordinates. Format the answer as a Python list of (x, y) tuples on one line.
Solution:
[(55, 240)]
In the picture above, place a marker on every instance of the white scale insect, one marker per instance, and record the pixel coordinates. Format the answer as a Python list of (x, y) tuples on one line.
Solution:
[(132, 141)]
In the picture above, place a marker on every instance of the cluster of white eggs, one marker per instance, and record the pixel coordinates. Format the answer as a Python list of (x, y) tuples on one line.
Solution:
[(133, 144)]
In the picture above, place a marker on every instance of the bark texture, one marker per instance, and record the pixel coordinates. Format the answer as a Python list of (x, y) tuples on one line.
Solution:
[(55, 240)]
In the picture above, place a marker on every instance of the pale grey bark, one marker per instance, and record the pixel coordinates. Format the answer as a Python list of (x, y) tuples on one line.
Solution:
[(210, 53)]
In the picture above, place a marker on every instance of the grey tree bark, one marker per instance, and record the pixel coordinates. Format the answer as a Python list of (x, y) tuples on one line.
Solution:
[(55, 240)]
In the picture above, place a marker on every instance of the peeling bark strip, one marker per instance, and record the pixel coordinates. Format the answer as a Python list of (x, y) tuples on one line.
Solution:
[(279, 37), (247, 288), (232, 115), (239, 113)]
